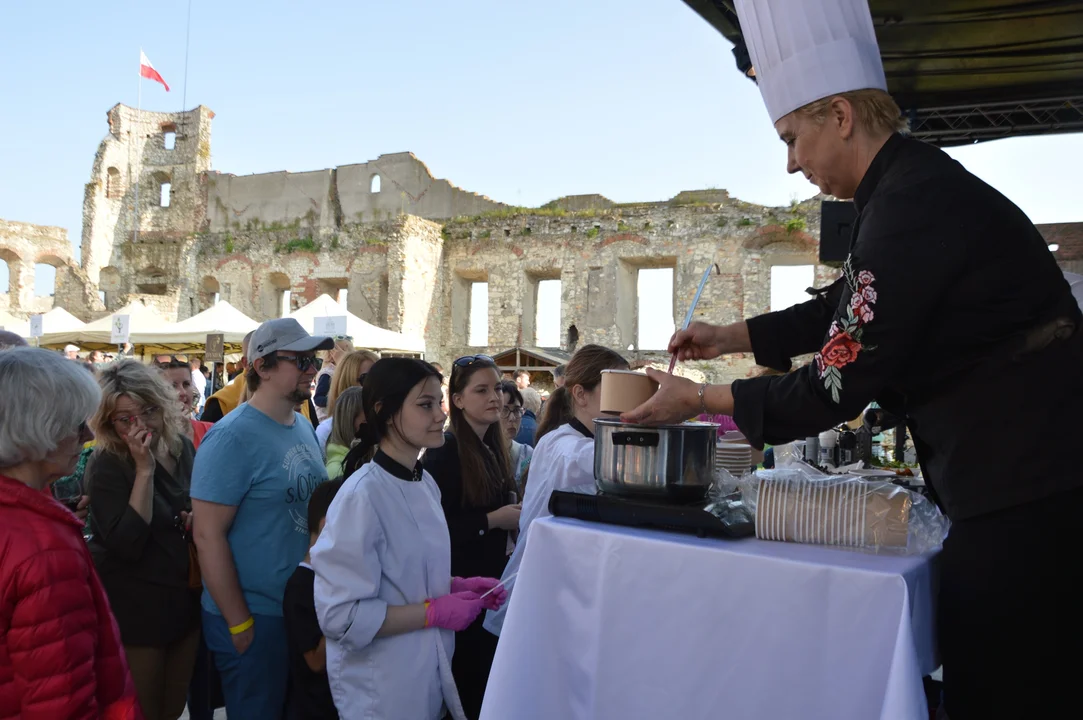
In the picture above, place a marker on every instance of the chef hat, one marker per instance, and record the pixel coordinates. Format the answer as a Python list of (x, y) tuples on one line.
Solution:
[(806, 50)]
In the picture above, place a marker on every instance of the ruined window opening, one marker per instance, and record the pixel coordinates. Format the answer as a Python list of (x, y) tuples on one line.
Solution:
[(374, 185), (284, 303), (102, 297), (478, 331), (112, 183), (343, 294), (547, 320), (167, 191), (5, 277), (788, 285), (170, 140), (507, 232), (654, 295), (573, 337), (44, 280)]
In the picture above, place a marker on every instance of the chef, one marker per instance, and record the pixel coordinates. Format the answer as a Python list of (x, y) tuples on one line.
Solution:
[(952, 313)]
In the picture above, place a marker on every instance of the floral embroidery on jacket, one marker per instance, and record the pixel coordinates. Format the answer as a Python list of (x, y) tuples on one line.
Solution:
[(844, 337)]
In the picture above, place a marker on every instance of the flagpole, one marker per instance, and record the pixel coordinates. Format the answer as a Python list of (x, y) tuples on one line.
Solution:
[(135, 124), (187, 35)]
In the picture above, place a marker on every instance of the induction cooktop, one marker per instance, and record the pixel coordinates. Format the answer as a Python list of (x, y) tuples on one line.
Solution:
[(726, 517)]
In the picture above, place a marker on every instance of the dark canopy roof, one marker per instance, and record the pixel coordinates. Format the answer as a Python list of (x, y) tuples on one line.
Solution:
[(968, 70)]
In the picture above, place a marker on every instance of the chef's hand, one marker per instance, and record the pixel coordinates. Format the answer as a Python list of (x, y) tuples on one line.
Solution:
[(506, 518), (676, 400), (83, 508), (702, 341)]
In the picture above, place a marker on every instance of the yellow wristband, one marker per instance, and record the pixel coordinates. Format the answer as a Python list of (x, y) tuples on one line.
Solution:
[(427, 603), (238, 629)]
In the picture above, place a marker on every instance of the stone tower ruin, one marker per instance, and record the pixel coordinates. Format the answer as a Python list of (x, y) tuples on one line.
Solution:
[(169, 154)]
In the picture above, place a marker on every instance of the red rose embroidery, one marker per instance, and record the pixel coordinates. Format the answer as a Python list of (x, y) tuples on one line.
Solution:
[(840, 350)]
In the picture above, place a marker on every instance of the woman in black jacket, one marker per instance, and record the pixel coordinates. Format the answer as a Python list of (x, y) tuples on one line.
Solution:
[(138, 480), (478, 495)]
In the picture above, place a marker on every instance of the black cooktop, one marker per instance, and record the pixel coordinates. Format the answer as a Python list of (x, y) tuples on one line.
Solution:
[(725, 517)]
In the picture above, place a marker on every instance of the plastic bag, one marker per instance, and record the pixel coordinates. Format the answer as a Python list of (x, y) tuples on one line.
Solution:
[(798, 503)]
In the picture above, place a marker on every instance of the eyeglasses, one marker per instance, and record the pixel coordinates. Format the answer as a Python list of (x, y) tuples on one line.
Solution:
[(469, 360), (304, 363), (170, 359), (146, 414), (511, 412), (342, 337)]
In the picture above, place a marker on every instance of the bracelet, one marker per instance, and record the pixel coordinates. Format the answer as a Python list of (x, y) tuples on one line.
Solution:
[(427, 603), (703, 399), (238, 629)]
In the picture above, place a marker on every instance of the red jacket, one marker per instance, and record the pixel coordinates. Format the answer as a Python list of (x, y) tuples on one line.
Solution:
[(60, 652)]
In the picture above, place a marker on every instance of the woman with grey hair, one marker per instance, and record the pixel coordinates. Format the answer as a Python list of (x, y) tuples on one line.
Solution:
[(346, 423), (60, 650), (139, 479)]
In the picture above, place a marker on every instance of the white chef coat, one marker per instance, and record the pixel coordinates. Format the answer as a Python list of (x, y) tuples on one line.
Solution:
[(385, 543), (564, 458)]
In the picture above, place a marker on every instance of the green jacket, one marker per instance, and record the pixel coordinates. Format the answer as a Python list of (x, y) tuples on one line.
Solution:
[(336, 455)]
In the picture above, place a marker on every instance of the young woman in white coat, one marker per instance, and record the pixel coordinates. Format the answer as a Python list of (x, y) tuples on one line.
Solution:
[(564, 455), (384, 594)]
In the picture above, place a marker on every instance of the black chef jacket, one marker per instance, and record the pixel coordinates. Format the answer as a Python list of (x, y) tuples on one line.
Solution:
[(951, 312)]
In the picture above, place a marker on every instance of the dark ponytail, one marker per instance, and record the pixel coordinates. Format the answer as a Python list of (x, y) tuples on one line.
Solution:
[(386, 386), (585, 369)]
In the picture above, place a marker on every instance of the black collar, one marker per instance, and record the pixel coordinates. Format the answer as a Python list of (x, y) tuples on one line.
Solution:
[(580, 428), (877, 168), (400, 471)]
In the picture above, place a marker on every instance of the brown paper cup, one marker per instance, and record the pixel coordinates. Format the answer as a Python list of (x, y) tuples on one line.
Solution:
[(624, 390)]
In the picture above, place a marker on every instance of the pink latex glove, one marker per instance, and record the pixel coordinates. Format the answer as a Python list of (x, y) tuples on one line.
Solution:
[(453, 612), (482, 585)]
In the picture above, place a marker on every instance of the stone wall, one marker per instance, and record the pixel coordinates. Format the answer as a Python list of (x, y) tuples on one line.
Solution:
[(378, 190), (22, 246)]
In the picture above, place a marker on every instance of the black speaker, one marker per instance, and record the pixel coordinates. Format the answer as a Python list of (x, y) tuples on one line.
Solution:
[(836, 225)]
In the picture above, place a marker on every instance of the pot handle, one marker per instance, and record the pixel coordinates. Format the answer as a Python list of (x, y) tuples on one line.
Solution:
[(641, 439)]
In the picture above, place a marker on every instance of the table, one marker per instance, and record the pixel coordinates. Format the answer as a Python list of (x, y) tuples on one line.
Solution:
[(615, 622)]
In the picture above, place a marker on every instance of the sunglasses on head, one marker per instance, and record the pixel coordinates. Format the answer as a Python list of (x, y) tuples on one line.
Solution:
[(469, 360)]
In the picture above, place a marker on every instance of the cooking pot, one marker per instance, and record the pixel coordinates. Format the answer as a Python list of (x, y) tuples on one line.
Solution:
[(669, 462)]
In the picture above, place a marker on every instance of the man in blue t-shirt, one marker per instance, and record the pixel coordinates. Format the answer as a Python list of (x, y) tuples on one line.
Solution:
[(253, 475)]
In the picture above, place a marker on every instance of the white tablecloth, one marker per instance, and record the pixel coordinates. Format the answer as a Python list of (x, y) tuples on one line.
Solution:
[(613, 622)]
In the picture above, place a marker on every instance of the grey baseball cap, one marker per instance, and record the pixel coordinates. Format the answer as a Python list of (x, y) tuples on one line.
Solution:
[(284, 334)]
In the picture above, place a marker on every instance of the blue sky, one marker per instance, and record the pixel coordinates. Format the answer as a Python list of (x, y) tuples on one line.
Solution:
[(524, 102)]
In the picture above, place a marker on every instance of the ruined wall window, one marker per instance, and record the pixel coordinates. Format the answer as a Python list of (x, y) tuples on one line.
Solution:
[(547, 327), (170, 139), (343, 294), (788, 285), (112, 183), (5, 277), (478, 332), (101, 296), (284, 309), (374, 185), (167, 191), (44, 280), (654, 292)]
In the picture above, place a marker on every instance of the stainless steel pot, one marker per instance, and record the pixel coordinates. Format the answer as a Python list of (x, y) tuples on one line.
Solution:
[(673, 462)]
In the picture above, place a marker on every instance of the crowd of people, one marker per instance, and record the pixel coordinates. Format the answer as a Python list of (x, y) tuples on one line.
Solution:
[(304, 542)]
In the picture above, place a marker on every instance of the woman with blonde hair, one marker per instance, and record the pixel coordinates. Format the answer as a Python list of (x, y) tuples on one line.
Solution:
[(138, 480), (349, 372), (325, 405), (346, 423)]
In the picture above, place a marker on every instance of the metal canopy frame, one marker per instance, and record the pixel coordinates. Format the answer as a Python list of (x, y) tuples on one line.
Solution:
[(965, 71)]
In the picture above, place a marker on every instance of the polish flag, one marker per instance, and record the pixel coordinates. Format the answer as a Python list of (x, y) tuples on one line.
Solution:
[(147, 70)]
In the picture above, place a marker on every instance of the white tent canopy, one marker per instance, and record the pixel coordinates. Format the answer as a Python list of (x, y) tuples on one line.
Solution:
[(220, 318), (365, 335), (57, 320), (144, 319)]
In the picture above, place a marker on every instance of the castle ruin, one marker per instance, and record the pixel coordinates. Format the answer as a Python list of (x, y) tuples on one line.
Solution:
[(407, 247)]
